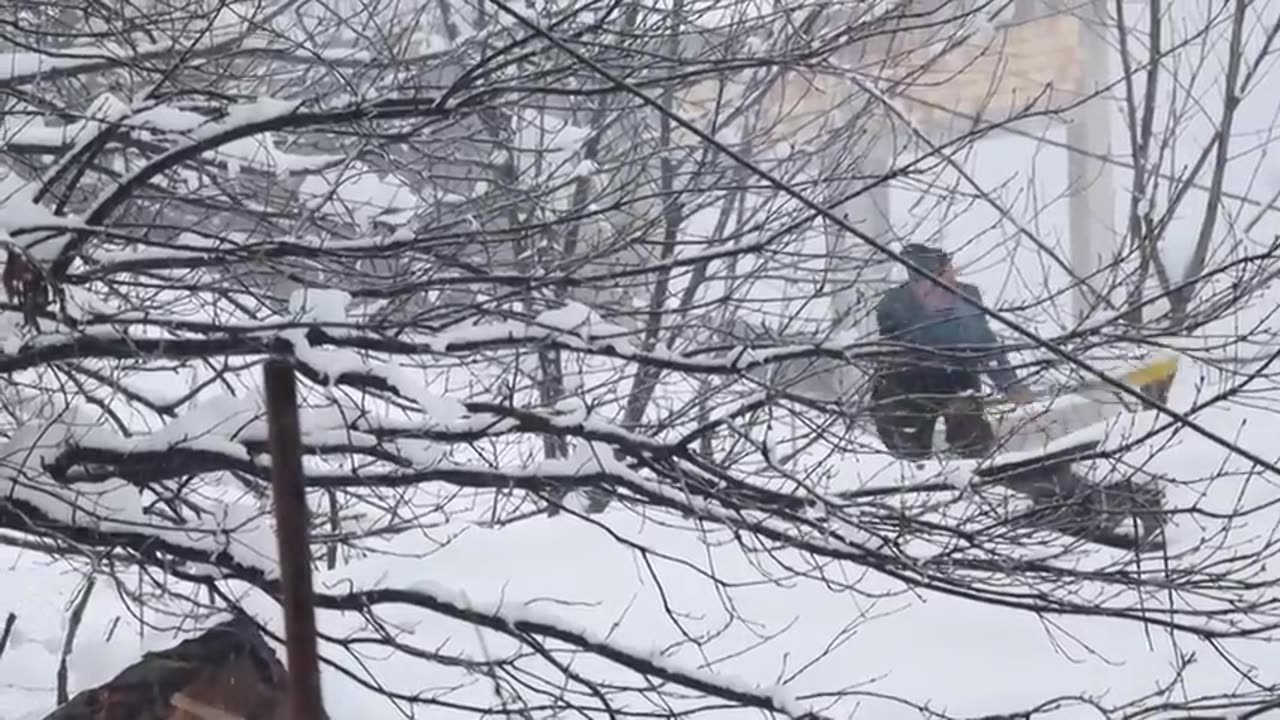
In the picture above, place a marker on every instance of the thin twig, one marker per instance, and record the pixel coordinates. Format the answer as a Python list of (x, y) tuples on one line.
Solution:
[(68, 641), (4, 635)]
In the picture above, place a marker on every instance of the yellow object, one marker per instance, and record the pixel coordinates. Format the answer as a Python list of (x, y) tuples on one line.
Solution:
[(1158, 370), (1155, 371)]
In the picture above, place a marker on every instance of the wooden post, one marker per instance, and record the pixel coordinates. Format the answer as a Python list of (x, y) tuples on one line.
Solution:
[(285, 440)]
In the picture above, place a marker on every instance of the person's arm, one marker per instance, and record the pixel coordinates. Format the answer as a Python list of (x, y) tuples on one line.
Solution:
[(1002, 374), (889, 315), (1001, 371)]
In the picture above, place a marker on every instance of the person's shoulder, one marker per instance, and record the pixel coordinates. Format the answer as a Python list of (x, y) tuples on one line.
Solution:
[(974, 294), (971, 291), (894, 294)]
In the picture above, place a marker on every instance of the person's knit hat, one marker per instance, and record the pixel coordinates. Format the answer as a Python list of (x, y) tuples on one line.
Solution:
[(929, 258)]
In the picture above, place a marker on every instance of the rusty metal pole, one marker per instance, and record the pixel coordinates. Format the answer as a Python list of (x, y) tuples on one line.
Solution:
[(284, 435)]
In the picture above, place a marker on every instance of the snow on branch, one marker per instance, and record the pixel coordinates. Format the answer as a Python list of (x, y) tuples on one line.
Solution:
[(111, 339), (36, 502), (240, 546), (238, 122), (522, 620), (193, 558), (504, 282)]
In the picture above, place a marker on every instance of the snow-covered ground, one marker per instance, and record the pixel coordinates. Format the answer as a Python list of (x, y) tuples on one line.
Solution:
[(956, 656)]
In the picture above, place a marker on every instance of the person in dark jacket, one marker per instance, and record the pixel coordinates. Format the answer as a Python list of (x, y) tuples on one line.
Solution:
[(938, 376)]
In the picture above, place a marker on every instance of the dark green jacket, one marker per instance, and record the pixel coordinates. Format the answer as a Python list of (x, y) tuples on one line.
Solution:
[(947, 332)]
